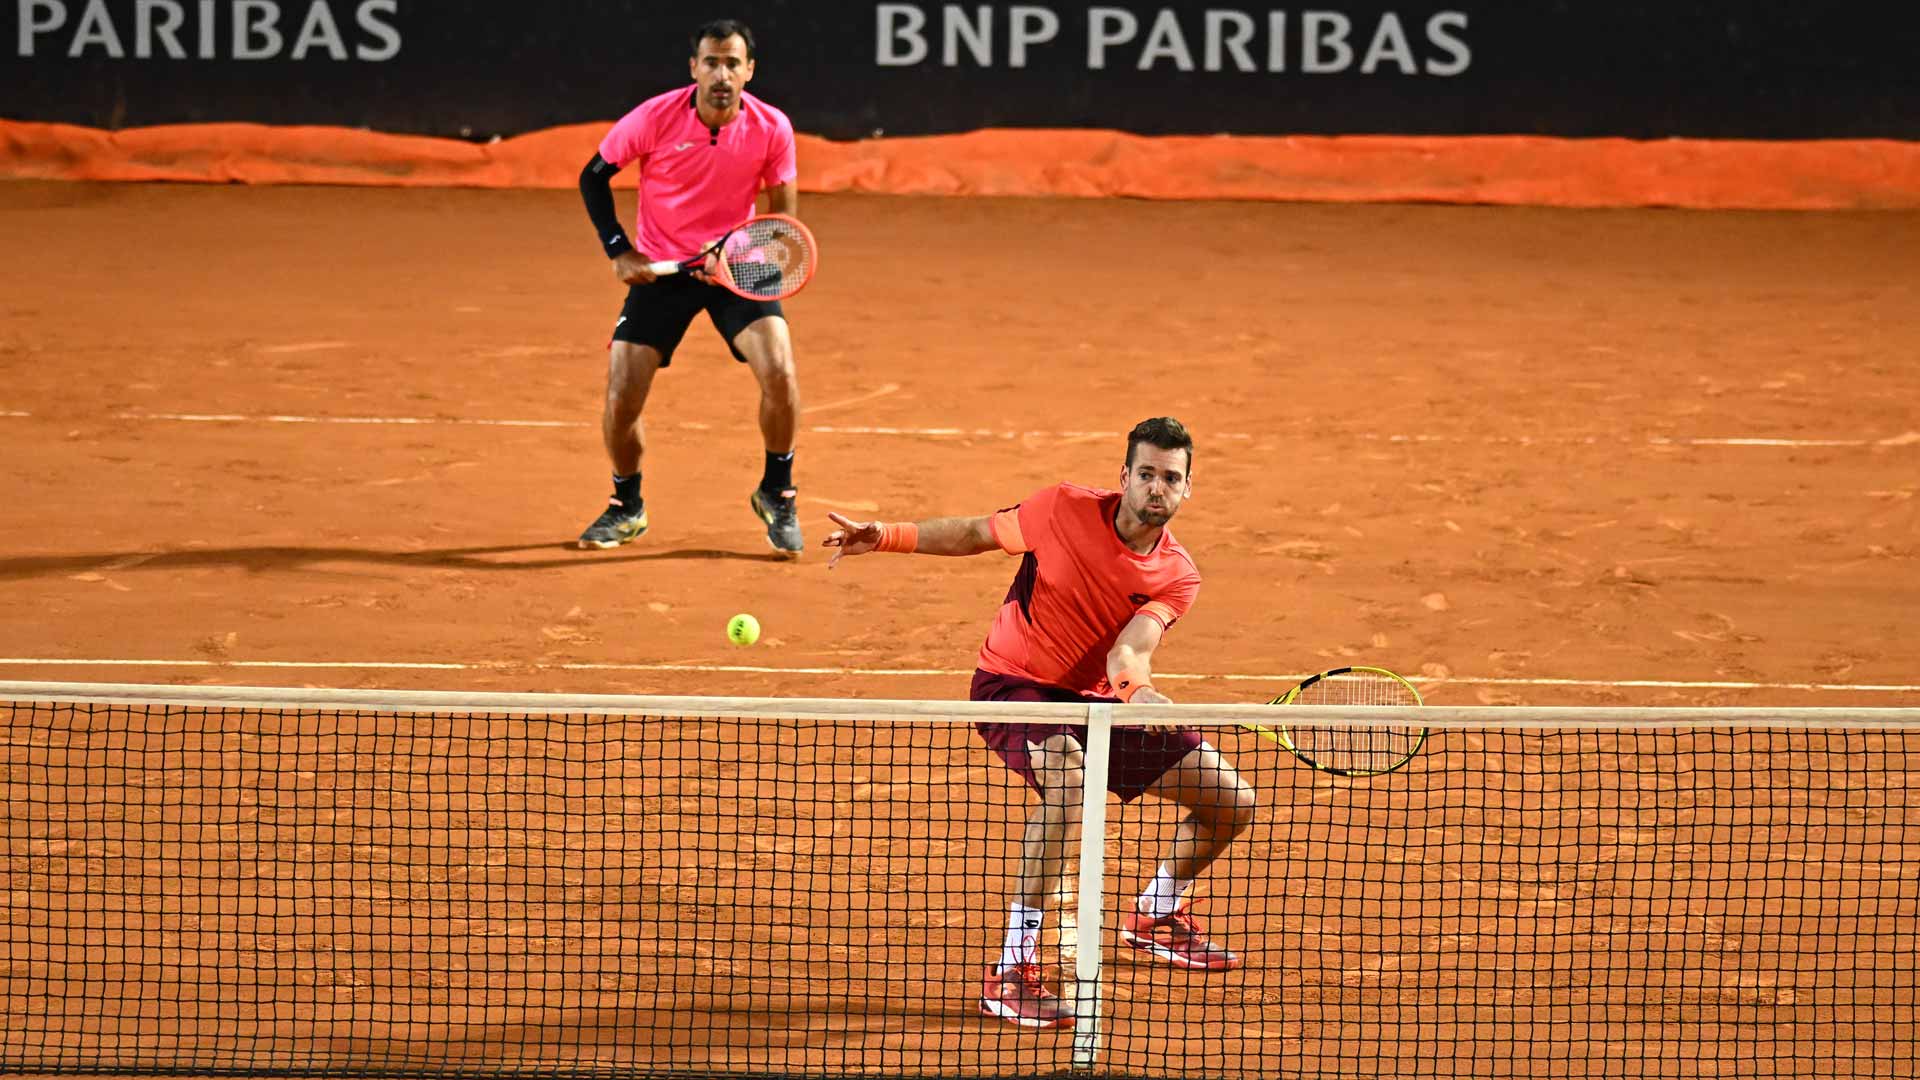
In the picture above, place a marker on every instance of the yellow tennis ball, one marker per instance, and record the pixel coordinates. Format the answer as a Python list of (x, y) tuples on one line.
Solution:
[(743, 629)]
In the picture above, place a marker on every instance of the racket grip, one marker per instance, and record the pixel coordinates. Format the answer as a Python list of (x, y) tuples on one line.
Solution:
[(668, 267)]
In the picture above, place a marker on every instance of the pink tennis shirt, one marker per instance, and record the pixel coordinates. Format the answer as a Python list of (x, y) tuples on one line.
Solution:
[(1077, 588), (697, 182)]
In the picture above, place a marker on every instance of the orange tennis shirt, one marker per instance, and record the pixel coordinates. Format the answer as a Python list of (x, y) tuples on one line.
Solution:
[(1077, 588)]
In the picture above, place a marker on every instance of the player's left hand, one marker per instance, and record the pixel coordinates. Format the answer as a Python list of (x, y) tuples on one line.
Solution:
[(712, 267), (851, 538)]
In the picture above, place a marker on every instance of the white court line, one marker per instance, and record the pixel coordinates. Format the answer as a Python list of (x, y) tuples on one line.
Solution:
[(1774, 442), (303, 347), (238, 418), (885, 389), (755, 669), (1904, 439), (984, 433)]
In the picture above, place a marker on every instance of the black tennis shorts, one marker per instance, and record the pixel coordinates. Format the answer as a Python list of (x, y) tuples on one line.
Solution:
[(657, 315)]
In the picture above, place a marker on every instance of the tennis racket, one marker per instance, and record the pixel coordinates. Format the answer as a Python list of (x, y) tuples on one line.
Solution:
[(768, 257), (1350, 750)]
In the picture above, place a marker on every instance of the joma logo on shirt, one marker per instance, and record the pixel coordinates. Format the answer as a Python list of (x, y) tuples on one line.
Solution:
[(1138, 598)]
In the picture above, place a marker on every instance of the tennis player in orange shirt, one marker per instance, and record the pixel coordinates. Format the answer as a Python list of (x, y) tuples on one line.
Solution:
[(1101, 580)]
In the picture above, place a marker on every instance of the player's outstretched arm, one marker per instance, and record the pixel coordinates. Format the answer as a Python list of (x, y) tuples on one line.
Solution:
[(939, 536)]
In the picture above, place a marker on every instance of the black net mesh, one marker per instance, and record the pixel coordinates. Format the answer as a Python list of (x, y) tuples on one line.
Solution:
[(190, 890)]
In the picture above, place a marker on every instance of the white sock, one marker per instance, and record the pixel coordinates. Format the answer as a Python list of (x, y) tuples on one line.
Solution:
[(1162, 897), (1023, 936)]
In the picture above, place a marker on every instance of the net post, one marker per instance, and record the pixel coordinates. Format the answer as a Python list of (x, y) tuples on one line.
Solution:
[(1093, 850)]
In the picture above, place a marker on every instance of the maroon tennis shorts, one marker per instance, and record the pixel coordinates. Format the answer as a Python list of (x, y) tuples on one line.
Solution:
[(1140, 757)]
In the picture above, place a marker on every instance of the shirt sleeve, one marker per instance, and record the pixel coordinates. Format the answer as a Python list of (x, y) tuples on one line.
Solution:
[(629, 140), (1168, 605), (1018, 528), (783, 160)]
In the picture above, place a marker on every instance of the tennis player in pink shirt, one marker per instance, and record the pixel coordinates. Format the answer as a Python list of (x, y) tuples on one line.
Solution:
[(705, 154)]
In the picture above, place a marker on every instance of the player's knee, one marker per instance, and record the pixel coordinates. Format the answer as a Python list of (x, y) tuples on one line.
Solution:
[(1062, 802), (1242, 808), (1061, 778), (1072, 776), (1060, 791), (1231, 811), (626, 398), (776, 371)]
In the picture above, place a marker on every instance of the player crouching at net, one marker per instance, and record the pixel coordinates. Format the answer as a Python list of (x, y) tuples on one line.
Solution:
[(1101, 579)]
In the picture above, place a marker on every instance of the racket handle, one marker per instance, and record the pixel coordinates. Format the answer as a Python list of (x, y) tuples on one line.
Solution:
[(668, 267)]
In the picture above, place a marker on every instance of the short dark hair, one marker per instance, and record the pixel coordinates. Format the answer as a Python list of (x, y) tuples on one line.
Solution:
[(1163, 432), (721, 30)]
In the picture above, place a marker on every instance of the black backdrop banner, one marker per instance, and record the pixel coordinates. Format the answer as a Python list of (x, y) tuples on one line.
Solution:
[(1783, 69)]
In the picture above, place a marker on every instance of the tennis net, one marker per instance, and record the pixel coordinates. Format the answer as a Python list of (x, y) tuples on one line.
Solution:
[(300, 882)]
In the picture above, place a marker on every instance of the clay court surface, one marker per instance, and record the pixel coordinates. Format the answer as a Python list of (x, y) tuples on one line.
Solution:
[(1536, 457), (1395, 405)]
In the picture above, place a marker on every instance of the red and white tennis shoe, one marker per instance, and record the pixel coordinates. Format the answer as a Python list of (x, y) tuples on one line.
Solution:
[(1018, 995), (1177, 939)]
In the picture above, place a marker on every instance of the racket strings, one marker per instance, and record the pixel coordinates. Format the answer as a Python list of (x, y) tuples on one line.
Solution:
[(1357, 749), (765, 254)]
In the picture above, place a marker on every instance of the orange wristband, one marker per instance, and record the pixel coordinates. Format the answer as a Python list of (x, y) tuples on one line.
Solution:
[(902, 538), (1128, 686)]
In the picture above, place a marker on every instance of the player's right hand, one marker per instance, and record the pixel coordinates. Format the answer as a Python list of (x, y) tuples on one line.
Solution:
[(632, 268), (851, 538), (1148, 695)]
